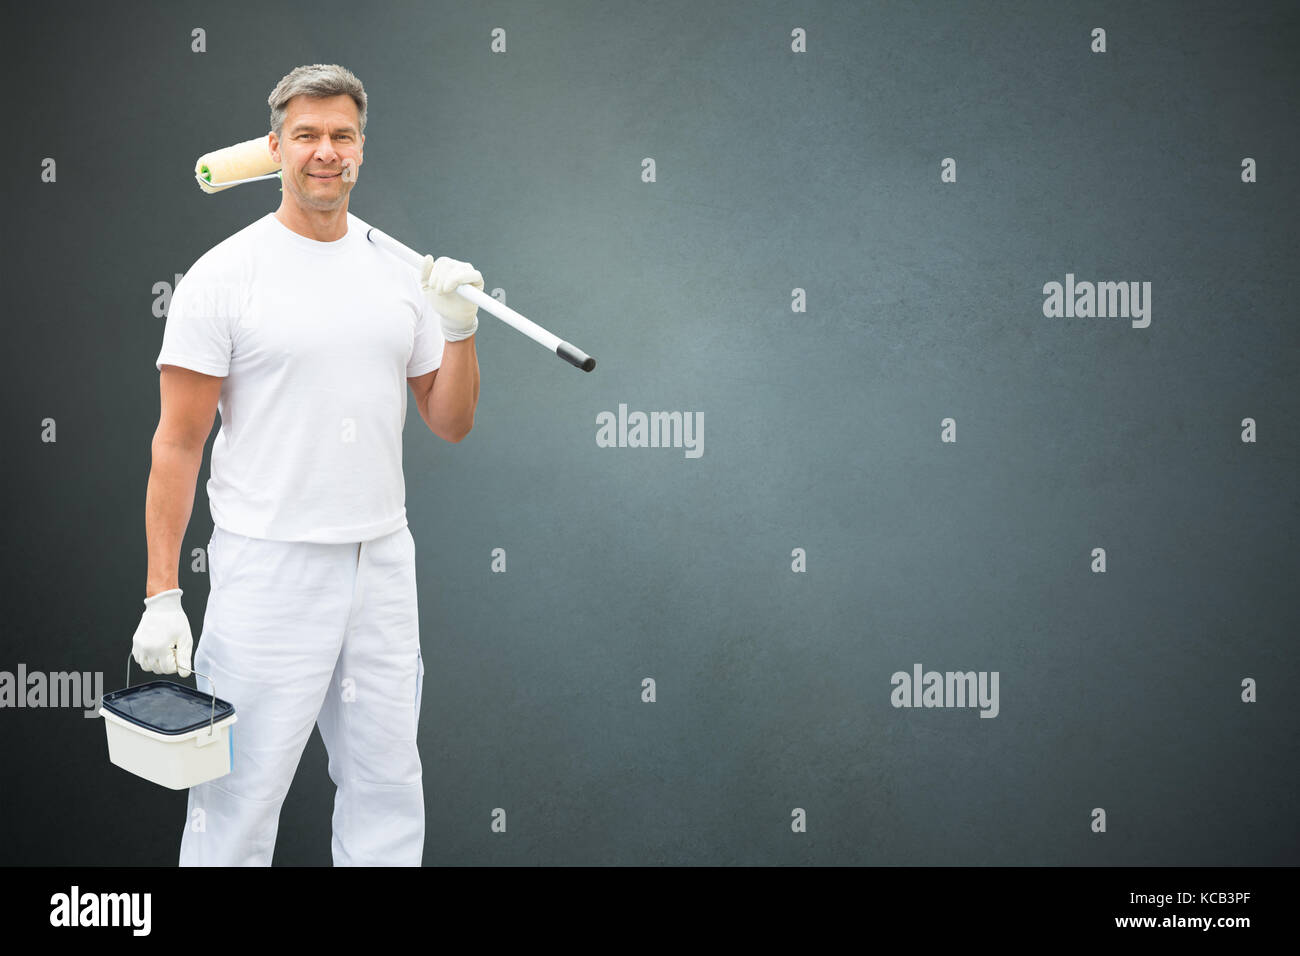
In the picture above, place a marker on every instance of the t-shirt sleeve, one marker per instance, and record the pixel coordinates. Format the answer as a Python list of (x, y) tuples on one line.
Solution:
[(426, 355), (201, 319)]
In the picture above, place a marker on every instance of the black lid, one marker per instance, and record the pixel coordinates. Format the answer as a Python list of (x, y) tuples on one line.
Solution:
[(166, 707)]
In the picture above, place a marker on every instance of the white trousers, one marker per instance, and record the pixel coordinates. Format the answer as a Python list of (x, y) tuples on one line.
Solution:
[(296, 634)]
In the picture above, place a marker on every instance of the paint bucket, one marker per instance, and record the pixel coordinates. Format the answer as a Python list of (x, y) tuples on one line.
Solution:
[(168, 733)]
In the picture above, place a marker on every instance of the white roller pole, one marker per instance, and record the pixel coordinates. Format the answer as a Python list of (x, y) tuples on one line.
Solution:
[(553, 343)]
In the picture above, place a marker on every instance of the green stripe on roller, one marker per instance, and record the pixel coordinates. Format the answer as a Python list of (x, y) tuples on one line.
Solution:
[(207, 173)]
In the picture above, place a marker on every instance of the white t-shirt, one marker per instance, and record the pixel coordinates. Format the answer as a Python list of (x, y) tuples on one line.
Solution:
[(316, 341)]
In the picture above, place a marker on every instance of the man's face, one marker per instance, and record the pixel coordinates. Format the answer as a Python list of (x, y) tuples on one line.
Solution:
[(320, 153)]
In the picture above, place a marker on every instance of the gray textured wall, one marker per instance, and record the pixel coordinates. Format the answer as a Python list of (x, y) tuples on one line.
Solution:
[(775, 171)]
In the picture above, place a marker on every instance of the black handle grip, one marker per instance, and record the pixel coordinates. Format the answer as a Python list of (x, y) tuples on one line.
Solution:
[(575, 356)]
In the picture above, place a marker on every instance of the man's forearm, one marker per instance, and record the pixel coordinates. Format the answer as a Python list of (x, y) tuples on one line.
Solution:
[(454, 396), (168, 503)]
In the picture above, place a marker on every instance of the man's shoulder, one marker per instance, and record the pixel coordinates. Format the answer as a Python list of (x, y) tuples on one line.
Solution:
[(252, 234), (232, 254), (357, 223)]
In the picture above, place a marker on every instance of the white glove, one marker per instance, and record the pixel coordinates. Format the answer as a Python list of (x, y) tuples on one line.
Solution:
[(439, 279), (163, 638)]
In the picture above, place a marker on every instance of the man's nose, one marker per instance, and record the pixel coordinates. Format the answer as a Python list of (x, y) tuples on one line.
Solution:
[(326, 148)]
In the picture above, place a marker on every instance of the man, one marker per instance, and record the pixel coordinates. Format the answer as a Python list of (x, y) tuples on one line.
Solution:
[(301, 331)]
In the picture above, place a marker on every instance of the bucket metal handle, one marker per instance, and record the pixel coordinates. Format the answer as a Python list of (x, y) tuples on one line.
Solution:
[(213, 716)]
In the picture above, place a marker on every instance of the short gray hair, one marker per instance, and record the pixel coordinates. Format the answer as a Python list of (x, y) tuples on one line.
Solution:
[(318, 80)]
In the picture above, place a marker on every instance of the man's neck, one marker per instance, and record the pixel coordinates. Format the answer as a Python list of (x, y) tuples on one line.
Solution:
[(323, 225)]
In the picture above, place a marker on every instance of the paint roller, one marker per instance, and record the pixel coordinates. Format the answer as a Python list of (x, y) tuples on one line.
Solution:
[(241, 163), (251, 160)]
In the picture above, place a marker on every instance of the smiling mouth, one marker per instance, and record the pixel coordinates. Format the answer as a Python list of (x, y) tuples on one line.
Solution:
[(329, 176)]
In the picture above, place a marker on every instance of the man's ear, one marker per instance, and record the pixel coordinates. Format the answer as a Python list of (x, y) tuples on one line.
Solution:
[(273, 146)]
